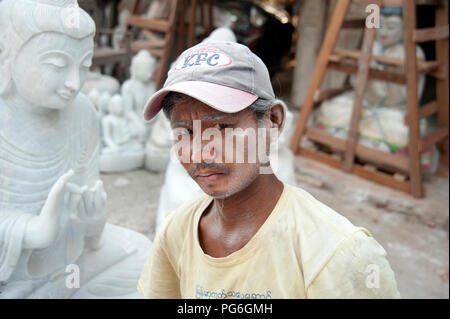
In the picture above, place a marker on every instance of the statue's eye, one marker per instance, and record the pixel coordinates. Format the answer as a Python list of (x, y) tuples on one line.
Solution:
[(56, 62)]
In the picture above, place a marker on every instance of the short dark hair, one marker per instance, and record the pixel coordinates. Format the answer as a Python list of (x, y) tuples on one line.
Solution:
[(259, 107)]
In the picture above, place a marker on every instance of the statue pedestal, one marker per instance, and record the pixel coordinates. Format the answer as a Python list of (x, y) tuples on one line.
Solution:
[(113, 163)]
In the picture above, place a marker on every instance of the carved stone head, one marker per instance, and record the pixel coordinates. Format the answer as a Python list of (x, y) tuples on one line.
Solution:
[(142, 66), (391, 26), (115, 105), (46, 48)]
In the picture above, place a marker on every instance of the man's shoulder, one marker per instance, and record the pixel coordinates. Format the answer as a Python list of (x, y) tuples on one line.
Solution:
[(315, 216), (321, 231)]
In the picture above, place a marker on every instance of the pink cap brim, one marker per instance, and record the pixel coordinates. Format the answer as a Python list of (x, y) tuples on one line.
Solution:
[(219, 97)]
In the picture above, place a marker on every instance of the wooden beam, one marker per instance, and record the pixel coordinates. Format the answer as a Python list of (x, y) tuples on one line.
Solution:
[(409, 17), (375, 176), (425, 111), (390, 3), (322, 95), (422, 66), (337, 143), (362, 79), (150, 24), (319, 70), (375, 74), (433, 138), (430, 34), (442, 83)]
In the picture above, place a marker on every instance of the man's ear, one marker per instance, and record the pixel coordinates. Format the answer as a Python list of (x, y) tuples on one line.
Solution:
[(277, 116)]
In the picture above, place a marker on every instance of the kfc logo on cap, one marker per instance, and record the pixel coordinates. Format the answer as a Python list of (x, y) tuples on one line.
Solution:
[(203, 58)]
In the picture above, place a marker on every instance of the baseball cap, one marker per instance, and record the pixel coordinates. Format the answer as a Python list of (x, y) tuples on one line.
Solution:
[(227, 76)]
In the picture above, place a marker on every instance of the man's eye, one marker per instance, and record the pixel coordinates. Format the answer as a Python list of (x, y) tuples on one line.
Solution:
[(223, 126), (186, 131)]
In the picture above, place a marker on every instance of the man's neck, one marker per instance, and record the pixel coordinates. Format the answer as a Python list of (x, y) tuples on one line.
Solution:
[(250, 206)]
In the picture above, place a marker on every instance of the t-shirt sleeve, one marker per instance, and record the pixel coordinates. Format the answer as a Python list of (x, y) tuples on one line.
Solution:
[(159, 279), (358, 269)]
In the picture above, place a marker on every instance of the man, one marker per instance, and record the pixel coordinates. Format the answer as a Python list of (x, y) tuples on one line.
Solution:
[(251, 236)]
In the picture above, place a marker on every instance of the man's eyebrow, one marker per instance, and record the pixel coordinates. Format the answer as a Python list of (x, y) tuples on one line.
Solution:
[(211, 117), (215, 116), (180, 123)]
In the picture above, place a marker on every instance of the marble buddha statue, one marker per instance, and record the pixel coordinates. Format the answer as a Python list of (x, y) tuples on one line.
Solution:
[(122, 149), (52, 202), (158, 145), (382, 124), (137, 90)]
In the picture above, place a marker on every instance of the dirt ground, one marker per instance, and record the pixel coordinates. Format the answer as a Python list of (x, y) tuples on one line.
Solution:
[(415, 233)]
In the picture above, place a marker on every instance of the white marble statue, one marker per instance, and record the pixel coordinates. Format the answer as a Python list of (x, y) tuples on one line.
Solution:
[(137, 90), (222, 34), (121, 29), (122, 149), (54, 242), (103, 102), (382, 124), (179, 187), (159, 143)]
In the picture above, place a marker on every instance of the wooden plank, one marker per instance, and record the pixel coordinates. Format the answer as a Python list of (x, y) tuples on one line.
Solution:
[(436, 136), (360, 88), (375, 74), (442, 84), (362, 151), (425, 111), (409, 18), (354, 24), (149, 24), (430, 34), (390, 3), (382, 178), (192, 21), (319, 70), (422, 66), (376, 176), (398, 3), (135, 7), (169, 36), (322, 95)]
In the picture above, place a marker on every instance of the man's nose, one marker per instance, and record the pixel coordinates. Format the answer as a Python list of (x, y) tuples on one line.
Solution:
[(203, 151)]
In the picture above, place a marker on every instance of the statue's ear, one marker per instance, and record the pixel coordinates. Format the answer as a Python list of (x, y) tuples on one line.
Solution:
[(5, 77), (3, 52)]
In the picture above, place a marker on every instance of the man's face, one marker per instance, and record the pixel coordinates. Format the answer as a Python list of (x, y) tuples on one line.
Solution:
[(215, 166)]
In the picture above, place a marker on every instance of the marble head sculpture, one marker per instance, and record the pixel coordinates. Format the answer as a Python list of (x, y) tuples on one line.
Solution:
[(391, 31), (52, 203), (33, 23)]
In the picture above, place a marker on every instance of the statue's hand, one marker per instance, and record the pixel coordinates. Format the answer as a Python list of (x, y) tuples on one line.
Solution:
[(41, 230), (88, 208)]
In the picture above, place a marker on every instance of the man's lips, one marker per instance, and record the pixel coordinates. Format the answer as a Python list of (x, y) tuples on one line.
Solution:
[(208, 176)]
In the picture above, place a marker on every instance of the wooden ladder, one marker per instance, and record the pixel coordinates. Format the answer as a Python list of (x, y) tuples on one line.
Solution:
[(161, 49), (174, 25), (358, 62)]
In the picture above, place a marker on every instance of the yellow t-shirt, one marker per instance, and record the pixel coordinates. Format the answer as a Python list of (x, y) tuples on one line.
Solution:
[(303, 250)]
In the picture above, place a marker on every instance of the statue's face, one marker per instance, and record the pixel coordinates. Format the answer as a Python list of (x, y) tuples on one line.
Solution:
[(116, 107), (50, 69), (391, 30), (143, 71)]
